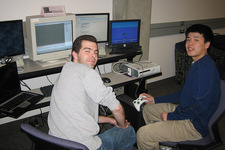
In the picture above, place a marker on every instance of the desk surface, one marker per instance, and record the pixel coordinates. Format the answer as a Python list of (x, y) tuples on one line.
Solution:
[(117, 80), (33, 69)]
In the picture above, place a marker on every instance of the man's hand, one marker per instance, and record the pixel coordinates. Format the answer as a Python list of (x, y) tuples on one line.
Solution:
[(164, 116), (149, 98), (104, 119), (112, 121)]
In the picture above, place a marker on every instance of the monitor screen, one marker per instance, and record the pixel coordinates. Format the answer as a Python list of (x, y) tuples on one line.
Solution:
[(50, 38), (124, 34), (53, 36), (11, 38), (93, 24)]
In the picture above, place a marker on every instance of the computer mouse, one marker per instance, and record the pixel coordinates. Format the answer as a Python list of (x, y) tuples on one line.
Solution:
[(106, 80)]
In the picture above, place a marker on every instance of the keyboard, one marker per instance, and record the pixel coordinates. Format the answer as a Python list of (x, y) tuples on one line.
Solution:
[(16, 101), (47, 90)]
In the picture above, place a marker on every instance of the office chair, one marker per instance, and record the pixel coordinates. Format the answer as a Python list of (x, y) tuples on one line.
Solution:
[(43, 140), (213, 139)]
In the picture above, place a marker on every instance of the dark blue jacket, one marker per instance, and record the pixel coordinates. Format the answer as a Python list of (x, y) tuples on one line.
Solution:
[(199, 97)]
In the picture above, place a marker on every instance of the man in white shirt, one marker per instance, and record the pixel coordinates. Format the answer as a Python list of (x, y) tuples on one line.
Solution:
[(75, 100)]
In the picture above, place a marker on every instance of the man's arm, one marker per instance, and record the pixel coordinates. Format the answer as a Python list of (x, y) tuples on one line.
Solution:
[(119, 115)]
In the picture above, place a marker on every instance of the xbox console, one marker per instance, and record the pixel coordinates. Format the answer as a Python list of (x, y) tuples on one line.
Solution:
[(141, 68)]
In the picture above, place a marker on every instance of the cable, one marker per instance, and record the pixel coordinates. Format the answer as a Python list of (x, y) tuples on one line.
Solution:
[(102, 110), (49, 80), (98, 70), (104, 69), (138, 87), (42, 118), (120, 64), (24, 84), (142, 77), (141, 55), (37, 121)]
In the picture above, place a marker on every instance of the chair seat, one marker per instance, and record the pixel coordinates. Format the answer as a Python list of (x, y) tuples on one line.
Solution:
[(204, 141)]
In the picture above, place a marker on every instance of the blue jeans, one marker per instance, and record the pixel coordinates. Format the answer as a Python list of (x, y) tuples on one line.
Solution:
[(118, 139)]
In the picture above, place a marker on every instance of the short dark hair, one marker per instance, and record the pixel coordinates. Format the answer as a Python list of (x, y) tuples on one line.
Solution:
[(206, 31), (77, 43)]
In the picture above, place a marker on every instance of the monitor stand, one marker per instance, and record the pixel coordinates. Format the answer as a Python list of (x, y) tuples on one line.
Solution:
[(122, 50), (58, 62)]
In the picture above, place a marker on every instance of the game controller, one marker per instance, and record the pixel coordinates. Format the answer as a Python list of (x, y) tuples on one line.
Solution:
[(138, 102)]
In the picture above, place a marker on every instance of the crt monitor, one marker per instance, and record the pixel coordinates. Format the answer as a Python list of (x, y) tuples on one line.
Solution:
[(11, 38), (124, 35), (95, 24), (50, 39)]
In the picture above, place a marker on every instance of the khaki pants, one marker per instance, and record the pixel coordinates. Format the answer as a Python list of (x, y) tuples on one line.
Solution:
[(149, 136)]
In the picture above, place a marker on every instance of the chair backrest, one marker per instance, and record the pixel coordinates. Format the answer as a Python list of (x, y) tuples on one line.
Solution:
[(213, 122), (213, 139), (45, 141)]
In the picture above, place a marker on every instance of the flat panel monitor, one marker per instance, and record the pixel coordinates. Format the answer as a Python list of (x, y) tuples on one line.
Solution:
[(11, 38), (50, 39), (95, 24), (124, 35)]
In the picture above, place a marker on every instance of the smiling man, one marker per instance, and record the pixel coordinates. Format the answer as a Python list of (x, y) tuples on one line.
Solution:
[(184, 115), (75, 100)]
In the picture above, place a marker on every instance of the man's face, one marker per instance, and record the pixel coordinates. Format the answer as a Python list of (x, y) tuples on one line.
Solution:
[(196, 46), (88, 54)]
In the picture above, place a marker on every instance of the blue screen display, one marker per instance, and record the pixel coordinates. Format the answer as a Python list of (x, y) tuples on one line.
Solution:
[(125, 32)]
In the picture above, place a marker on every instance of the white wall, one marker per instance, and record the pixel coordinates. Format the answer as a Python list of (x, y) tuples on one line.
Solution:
[(161, 50), (184, 10), (19, 9)]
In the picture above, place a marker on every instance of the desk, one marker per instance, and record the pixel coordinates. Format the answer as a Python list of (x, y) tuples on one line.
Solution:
[(117, 80)]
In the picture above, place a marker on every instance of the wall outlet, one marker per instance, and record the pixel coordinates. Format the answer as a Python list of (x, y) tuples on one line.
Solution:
[(182, 30)]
